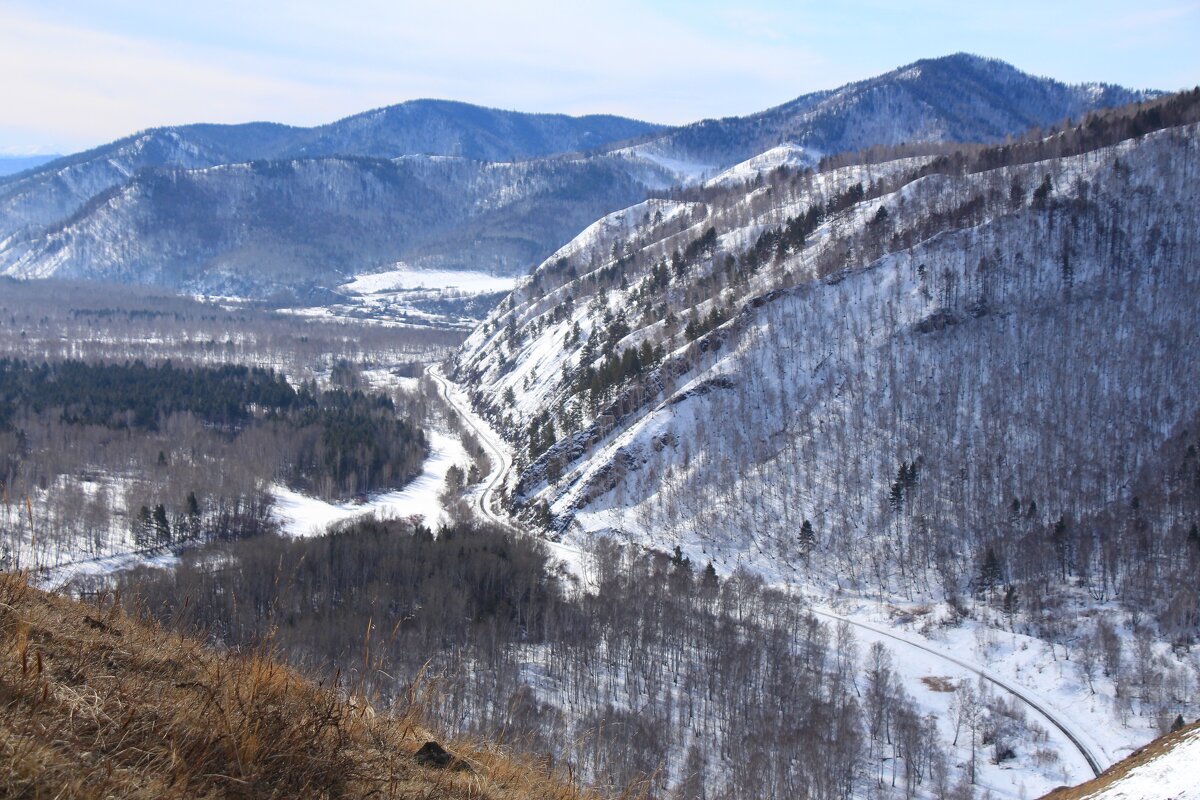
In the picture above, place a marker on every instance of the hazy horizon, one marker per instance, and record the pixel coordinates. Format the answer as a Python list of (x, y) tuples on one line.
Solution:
[(82, 76)]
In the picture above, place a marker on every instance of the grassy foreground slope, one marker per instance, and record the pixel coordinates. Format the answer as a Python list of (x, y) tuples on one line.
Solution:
[(96, 704)]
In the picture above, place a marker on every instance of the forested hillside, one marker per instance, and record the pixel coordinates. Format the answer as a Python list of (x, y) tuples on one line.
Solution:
[(55, 190), (661, 676), (847, 450), (955, 376), (98, 704), (269, 228)]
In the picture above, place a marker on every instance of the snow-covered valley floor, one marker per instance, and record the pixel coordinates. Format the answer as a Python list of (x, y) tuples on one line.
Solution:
[(301, 515)]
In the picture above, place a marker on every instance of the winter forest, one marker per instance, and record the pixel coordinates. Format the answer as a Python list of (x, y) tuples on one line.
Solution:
[(845, 450)]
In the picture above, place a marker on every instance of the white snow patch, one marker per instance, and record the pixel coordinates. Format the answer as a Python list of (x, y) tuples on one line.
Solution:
[(100, 567), (301, 516), (685, 171), (787, 155), (405, 278)]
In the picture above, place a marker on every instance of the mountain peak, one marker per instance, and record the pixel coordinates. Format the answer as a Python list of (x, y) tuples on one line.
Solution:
[(960, 97)]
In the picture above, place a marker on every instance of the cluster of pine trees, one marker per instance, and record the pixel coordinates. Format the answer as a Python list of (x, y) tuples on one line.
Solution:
[(136, 395)]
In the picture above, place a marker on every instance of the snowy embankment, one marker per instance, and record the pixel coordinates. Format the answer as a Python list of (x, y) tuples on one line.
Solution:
[(1173, 775), (485, 497), (499, 454), (1052, 680), (932, 671), (300, 515)]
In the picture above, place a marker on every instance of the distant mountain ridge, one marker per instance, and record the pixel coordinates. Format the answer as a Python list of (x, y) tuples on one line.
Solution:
[(90, 215), (958, 98), (418, 127), (280, 228), (12, 164), (451, 128), (415, 127)]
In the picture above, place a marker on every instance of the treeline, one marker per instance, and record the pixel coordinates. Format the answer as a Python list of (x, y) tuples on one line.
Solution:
[(347, 442), (696, 276), (1099, 129), (351, 443), (427, 597), (593, 381), (135, 395), (777, 243), (663, 674)]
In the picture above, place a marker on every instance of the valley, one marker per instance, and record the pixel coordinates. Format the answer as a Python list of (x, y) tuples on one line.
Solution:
[(843, 450), (919, 659)]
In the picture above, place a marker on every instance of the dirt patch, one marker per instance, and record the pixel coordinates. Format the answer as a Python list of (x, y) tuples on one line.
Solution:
[(938, 683)]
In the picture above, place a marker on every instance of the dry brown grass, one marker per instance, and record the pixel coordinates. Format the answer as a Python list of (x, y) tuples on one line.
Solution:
[(1123, 767), (94, 704), (937, 683)]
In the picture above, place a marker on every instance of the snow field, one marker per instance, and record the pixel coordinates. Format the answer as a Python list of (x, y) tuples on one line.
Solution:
[(303, 516)]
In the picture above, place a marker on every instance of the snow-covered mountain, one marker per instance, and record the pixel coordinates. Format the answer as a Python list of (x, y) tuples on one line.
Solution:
[(215, 207), (956, 98), (287, 228), (61, 187), (32, 200), (444, 127), (942, 362), (418, 127)]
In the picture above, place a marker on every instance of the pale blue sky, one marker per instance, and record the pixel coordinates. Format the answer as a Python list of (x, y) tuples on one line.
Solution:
[(79, 73)]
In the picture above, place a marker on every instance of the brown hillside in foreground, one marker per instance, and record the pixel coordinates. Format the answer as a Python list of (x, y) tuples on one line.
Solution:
[(94, 704), (1116, 772)]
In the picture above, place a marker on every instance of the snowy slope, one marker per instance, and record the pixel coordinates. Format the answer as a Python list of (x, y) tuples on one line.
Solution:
[(58, 189), (786, 155), (925, 310), (232, 209), (1168, 769), (1022, 346)]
